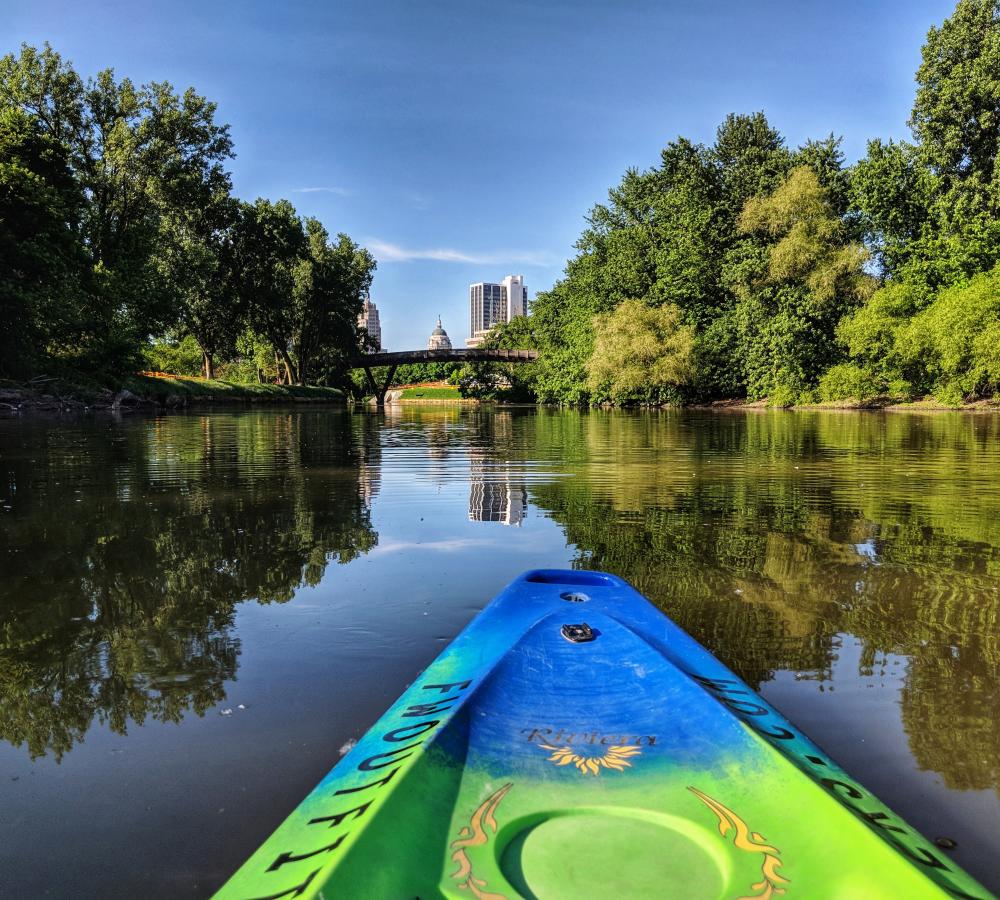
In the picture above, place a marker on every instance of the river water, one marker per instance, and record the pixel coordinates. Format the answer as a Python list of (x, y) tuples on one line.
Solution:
[(198, 612)]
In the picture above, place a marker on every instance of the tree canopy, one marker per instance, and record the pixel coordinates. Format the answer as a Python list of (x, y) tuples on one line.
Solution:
[(795, 276), (118, 228)]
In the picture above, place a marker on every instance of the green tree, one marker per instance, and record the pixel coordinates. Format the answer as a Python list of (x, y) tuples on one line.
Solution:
[(330, 284), (792, 296), (892, 192), (194, 259), (268, 244), (956, 114), (42, 261), (955, 341), (138, 153), (641, 353)]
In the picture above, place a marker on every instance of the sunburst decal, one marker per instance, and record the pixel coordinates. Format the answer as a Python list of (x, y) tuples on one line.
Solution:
[(752, 842), (617, 757)]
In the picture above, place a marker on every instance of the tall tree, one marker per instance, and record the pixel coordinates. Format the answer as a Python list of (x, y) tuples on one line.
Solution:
[(892, 192), (137, 152), (956, 114), (268, 244), (330, 285), (195, 259), (42, 263), (792, 298)]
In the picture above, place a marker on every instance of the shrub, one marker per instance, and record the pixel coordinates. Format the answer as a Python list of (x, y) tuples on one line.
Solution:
[(782, 396), (955, 339), (949, 393), (848, 381), (178, 357)]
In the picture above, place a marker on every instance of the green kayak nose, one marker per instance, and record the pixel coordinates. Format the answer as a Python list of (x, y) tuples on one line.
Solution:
[(572, 742)]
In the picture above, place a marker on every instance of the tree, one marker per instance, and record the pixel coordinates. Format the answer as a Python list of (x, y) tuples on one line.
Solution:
[(955, 340), (956, 120), (641, 353), (892, 192), (752, 158), (42, 262), (194, 259), (956, 114), (330, 286), (793, 294), (137, 153), (268, 243)]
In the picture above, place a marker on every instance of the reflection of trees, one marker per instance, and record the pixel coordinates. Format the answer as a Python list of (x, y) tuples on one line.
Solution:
[(128, 549), (743, 528)]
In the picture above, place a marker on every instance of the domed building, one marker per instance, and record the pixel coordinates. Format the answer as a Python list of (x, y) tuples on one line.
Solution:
[(439, 339)]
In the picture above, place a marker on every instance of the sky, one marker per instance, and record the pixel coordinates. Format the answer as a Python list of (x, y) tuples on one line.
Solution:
[(461, 140)]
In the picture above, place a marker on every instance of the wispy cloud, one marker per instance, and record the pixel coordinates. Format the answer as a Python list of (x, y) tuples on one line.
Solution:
[(386, 252), (419, 202), (453, 545), (339, 191)]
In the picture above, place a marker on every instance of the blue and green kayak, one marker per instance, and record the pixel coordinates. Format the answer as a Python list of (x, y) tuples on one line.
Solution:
[(573, 742)]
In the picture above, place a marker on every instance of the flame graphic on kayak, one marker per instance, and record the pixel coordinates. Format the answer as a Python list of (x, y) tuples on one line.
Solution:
[(752, 842), (617, 758), (475, 834)]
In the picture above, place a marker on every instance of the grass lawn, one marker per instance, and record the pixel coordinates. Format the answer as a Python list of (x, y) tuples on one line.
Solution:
[(162, 386), (431, 393)]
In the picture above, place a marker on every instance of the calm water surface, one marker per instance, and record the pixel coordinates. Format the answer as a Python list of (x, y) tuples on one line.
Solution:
[(197, 612)]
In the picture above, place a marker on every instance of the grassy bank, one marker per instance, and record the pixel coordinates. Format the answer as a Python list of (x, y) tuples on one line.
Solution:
[(149, 392), (164, 388), (893, 404)]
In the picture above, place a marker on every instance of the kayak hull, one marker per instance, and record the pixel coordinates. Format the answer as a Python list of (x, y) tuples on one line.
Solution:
[(573, 742)]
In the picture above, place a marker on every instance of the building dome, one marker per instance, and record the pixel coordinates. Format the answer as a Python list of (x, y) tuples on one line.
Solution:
[(439, 339)]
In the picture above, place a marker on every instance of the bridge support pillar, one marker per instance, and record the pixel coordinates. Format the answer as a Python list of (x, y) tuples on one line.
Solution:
[(380, 390)]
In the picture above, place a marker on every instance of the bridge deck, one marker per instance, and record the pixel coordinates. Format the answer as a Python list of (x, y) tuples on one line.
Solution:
[(404, 357)]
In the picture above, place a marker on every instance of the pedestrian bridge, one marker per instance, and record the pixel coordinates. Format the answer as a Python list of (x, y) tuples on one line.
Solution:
[(369, 361)]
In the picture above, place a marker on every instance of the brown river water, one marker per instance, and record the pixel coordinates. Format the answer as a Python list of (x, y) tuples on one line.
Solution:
[(199, 611)]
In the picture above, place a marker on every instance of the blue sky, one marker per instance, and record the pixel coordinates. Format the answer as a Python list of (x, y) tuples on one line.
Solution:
[(463, 140)]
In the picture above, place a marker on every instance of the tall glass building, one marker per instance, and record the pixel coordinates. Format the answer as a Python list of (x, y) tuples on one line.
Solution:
[(492, 303)]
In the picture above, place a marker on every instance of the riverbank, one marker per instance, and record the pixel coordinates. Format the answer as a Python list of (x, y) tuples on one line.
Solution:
[(886, 404), (149, 392)]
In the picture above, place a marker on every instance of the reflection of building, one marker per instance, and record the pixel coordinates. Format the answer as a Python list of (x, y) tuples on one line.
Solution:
[(493, 303), (494, 496), (368, 321), (439, 339), (497, 501)]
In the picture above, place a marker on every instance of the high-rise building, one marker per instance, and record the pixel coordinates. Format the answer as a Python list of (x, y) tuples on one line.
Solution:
[(439, 339), (368, 321), (492, 303)]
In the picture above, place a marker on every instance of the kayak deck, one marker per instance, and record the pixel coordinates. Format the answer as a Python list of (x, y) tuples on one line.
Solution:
[(535, 759)]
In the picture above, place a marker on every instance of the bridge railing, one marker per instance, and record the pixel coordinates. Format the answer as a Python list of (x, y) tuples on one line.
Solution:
[(472, 354)]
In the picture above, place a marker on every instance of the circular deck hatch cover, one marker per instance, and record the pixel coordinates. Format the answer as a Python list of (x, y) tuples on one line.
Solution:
[(592, 855)]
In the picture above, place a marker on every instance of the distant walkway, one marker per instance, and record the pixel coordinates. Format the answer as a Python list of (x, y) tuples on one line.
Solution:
[(369, 361)]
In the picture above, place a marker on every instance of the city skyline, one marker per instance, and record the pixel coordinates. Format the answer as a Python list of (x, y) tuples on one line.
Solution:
[(353, 111)]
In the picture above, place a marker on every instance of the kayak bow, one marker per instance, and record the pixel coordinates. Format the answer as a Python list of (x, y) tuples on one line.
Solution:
[(573, 742)]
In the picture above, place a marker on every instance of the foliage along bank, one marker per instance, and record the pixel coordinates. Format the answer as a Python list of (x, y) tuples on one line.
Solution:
[(123, 248), (748, 269)]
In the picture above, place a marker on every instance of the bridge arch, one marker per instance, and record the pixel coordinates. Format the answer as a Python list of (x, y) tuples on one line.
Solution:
[(369, 361)]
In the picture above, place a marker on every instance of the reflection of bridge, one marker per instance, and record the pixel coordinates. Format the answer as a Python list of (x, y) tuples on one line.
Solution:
[(369, 361)]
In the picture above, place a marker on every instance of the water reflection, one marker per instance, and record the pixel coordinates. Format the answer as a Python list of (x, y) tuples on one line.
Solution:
[(846, 564), (494, 496), (769, 537), (126, 551)]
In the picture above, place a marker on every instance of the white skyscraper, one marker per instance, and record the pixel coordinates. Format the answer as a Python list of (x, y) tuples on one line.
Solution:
[(369, 322), (492, 303)]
